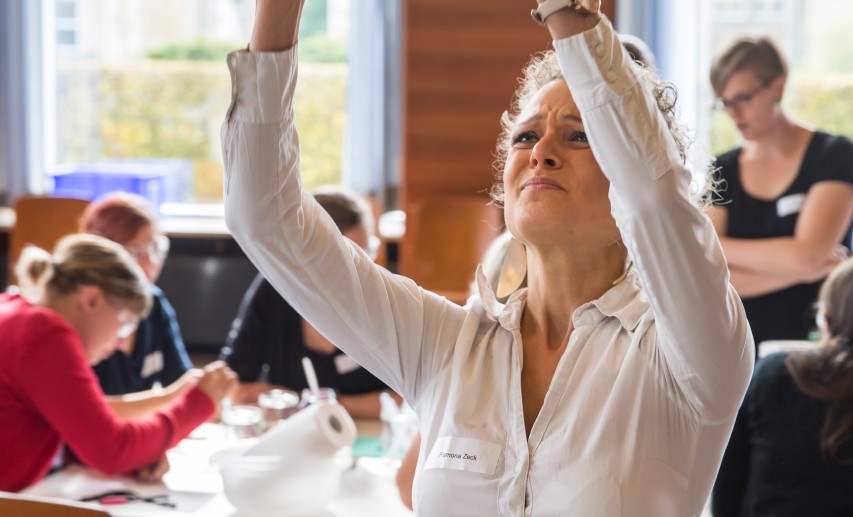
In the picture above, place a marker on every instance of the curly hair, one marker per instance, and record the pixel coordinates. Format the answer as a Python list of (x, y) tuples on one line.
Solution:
[(544, 68)]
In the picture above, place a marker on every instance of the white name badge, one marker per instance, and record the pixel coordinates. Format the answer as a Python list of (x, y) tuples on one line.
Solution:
[(345, 364), (789, 204), (152, 364), (454, 452)]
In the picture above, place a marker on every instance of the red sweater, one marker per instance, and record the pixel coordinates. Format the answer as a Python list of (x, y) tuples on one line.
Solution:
[(49, 395)]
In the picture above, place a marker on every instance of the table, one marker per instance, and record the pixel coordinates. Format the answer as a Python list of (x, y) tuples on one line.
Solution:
[(195, 486)]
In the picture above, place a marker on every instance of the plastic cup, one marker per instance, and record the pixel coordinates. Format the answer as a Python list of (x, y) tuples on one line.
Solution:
[(309, 397), (243, 421), (278, 405)]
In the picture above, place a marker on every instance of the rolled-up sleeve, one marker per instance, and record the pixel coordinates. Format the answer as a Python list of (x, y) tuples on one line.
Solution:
[(381, 320)]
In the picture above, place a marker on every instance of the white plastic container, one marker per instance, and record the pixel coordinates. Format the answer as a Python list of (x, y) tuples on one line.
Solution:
[(267, 486)]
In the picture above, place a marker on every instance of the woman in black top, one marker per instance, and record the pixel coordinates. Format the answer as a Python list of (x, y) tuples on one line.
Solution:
[(791, 454), (268, 338), (787, 194)]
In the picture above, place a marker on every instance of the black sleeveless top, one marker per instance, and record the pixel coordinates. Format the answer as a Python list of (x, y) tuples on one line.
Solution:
[(785, 314)]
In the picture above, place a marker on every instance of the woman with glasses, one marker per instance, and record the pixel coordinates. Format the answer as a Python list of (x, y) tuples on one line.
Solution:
[(77, 302), (268, 338), (795, 456), (786, 194), (154, 353)]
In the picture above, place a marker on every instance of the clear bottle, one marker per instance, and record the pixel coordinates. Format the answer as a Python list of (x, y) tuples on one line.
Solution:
[(388, 410)]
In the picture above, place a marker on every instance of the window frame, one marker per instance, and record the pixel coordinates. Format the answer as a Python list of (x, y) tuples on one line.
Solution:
[(31, 30)]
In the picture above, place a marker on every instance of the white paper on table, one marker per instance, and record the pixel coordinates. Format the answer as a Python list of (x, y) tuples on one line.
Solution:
[(76, 482)]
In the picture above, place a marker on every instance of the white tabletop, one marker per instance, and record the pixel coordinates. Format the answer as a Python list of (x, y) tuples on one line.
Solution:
[(193, 483)]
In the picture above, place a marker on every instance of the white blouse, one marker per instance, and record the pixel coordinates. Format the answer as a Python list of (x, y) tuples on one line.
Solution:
[(644, 398)]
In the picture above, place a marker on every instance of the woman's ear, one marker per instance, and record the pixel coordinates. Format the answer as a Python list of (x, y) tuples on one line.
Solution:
[(89, 297), (777, 87)]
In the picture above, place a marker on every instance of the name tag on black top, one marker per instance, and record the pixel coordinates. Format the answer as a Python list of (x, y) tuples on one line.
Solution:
[(789, 205)]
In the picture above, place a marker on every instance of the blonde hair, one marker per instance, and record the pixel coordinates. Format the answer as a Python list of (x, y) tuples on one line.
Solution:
[(543, 69), (80, 260)]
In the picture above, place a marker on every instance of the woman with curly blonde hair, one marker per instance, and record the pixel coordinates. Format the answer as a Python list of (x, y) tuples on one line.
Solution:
[(606, 387)]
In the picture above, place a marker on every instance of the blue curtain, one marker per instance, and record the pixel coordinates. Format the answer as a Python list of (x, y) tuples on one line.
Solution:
[(20, 97), (372, 137)]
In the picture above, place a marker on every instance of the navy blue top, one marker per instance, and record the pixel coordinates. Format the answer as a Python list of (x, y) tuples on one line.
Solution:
[(774, 465), (784, 314), (158, 354), (268, 331)]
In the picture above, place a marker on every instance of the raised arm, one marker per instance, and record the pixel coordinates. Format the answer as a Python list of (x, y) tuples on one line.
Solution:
[(702, 333), (276, 25), (396, 330)]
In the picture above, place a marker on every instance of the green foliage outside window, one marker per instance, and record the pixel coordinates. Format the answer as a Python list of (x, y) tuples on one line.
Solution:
[(174, 109), (315, 47), (198, 50)]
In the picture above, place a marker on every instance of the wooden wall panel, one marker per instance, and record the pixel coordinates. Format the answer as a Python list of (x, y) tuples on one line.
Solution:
[(461, 63)]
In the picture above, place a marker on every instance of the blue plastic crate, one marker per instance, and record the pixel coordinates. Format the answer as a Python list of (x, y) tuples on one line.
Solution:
[(93, 180)]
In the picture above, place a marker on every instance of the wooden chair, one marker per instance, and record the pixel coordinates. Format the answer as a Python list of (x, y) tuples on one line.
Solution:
[(445, 239), (18, 505), (41, 221)]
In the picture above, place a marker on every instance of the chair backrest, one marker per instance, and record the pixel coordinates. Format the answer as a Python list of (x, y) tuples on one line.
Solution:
[(41, 221), (445, 239), (18, 505), (377, 209)]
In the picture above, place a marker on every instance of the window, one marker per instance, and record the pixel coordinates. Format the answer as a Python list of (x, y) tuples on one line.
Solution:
[(813, 34), (66, 23), (143, 85), (815, 37)]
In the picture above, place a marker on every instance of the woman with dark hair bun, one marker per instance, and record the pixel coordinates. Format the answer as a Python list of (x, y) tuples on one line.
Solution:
[(794, 456)]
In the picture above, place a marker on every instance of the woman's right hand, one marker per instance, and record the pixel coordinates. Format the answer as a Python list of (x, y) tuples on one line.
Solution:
[(838, 255), (217, 382)]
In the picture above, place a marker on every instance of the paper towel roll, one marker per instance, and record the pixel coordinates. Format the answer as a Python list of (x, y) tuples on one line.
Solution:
[(314, 433)]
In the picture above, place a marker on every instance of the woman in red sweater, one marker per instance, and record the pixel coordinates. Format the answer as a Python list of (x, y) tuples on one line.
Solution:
[(83, 298)]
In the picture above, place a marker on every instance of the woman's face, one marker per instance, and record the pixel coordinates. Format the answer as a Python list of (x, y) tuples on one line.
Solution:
[(103, 323), (553, 186), (751, 104), (149, 249)]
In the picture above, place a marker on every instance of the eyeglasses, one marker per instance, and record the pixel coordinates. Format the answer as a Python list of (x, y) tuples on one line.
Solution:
[(128, 322), (738, 102), (154, 251)]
